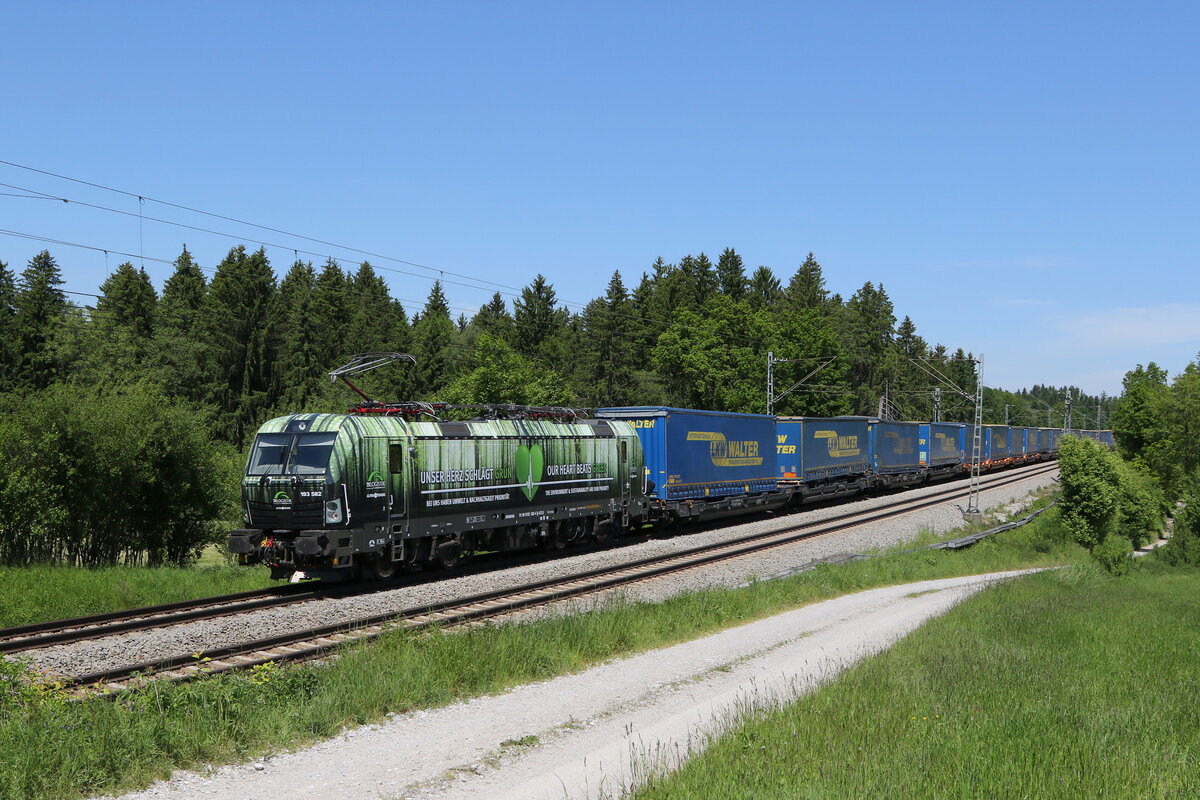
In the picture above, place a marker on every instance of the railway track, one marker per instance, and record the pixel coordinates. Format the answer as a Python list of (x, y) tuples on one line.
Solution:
[(35, 636), (317, 641)]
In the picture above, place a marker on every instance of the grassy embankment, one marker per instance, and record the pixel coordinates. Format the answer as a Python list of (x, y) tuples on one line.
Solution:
[(1063, 685), (38, 594), (52, 749)]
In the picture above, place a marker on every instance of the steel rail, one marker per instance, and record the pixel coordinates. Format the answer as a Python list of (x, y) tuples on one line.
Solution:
[(97, 626), (44, 634), (319, 640)]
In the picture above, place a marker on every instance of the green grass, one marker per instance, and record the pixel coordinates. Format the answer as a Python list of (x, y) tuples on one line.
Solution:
[(1062, 685), (51, 749), (38, 594)]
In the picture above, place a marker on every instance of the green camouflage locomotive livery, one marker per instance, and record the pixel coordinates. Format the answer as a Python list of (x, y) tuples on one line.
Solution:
[(330, 495)]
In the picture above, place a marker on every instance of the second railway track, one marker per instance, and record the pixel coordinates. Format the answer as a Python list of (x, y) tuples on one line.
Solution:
[(320, 640)]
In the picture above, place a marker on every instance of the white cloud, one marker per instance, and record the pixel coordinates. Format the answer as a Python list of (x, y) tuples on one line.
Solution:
[(1122, 330)]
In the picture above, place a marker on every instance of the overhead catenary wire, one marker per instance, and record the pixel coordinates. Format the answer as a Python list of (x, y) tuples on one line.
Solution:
[(237, 237), (235, 220), (441, 272)]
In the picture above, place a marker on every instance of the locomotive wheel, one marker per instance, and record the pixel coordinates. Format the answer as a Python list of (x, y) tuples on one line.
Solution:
[(381, 568), (603, 533), (446, 555), (557, 538)]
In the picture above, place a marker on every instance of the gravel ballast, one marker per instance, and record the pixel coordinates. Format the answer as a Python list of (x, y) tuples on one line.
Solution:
[(118, 651)]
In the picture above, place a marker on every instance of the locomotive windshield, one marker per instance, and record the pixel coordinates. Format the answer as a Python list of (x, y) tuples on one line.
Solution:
[(291, 454)]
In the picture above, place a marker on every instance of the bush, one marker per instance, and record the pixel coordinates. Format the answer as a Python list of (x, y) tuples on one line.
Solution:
[(1091, 490), (1183, 548), (1114, 554), (1142, 505), (92, 477)]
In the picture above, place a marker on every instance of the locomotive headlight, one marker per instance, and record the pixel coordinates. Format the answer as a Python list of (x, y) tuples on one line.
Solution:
[(333, 511)]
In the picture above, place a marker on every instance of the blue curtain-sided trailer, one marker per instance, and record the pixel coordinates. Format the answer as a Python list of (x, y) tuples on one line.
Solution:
[(997, 446), (1019, 441), (942, 446), (895, 452), (824, 457), (703, 464)]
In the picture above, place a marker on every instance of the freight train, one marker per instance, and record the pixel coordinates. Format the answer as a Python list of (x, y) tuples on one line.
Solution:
[(367, 493)]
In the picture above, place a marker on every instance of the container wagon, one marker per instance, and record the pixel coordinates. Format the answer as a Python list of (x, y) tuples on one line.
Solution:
[(943, 447), (1019, 443), (1035, 443), (895, 452), (997, 447), (824, 457), (704, 464)]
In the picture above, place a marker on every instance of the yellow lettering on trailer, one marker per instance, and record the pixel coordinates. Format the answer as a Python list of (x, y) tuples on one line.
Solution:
[(726, 453), (839, 446)]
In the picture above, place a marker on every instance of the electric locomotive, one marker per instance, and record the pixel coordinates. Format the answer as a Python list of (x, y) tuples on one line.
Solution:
[(364, 493)]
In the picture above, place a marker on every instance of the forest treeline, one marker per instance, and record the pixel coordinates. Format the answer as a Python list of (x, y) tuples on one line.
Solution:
[(245, 344), (185, 374)]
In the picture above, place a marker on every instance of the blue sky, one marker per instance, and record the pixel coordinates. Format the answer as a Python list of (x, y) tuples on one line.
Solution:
[(1021, 177)]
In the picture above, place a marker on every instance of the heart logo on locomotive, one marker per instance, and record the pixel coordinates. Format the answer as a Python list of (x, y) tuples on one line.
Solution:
[(529, 469)]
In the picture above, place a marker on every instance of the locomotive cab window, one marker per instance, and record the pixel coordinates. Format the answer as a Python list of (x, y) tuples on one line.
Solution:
[(624, 450), (396, 458), (291, 454)]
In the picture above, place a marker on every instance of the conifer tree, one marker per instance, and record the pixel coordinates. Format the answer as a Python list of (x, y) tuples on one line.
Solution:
[(908, 377), (302, 370), (868, 320), (731, 274), (807, 287), (240, 321), (40, 310), (493, 319), (179, 348), (433, 333), (330, 314), (669, 292), (125, 318), (704, 280), (182, 295), (371, 319), (536, 317), (606, 333), (765, 289)]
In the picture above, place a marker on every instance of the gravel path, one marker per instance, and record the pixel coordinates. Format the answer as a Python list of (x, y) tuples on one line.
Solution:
[(591, 734), (137, 647)]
